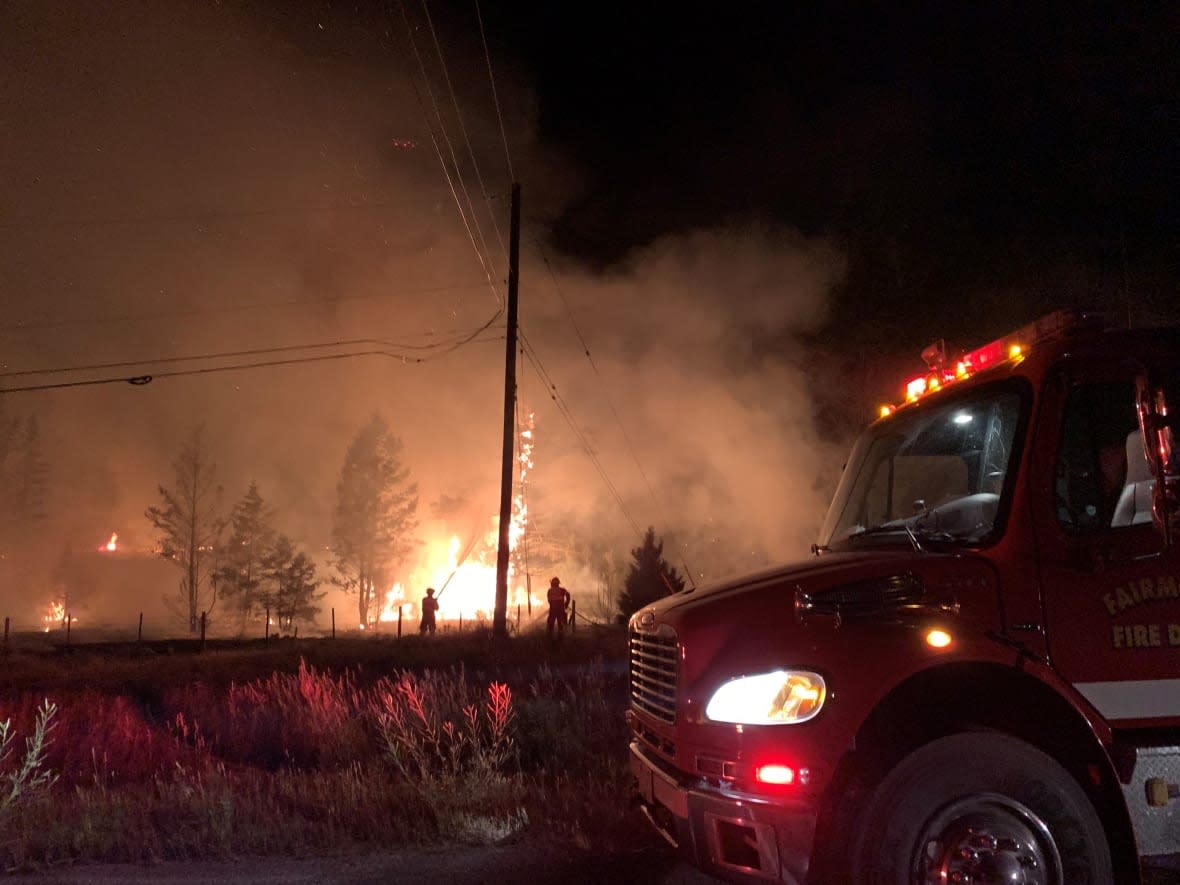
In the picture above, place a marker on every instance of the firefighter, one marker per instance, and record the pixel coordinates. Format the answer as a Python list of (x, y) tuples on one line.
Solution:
[(559, 600), (429, 607)]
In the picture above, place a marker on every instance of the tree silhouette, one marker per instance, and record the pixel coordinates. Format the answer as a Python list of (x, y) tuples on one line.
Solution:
[(190, 527), (239, 576), (374, 518), (649, 577), (292, 594)]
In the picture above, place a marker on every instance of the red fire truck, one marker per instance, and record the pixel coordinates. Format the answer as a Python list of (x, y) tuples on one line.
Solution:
[(976, 677)]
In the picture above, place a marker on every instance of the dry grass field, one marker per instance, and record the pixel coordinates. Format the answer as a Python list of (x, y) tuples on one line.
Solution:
[(132, 753)]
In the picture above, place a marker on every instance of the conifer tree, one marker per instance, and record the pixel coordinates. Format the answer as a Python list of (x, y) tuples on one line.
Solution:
[(291, 576), (374, 519), (649, 578), (240, 574)]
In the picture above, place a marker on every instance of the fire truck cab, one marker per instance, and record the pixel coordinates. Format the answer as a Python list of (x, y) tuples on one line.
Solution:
[(976, 676)]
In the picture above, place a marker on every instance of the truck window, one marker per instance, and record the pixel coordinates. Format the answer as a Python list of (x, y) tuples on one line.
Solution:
[(1101, 475), (937, 472)]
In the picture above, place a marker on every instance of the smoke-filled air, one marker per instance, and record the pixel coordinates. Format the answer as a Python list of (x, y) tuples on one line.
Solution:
[(261, 229)]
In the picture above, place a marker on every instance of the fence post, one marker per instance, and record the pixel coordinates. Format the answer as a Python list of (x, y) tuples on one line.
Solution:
[(460, 622), (399, 622), (69, 624), (266, 635), (518, 617), (203, 630), (333, 622), (139, 635), (573, 616)]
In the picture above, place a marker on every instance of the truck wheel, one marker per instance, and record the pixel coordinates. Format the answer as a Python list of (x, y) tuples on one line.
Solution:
[(980, 808)]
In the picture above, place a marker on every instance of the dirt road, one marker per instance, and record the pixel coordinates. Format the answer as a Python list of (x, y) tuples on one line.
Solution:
[(525, 863)]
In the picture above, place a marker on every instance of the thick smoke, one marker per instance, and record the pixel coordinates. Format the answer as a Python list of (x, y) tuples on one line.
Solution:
[(186, 179)]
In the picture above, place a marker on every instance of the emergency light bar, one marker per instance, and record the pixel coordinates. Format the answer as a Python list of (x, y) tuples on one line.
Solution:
[(1009, 349)]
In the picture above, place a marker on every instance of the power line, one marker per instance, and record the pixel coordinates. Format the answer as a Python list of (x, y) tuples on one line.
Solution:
[(527, 348), (438, 152), (378, 342), (602, 382), (467, 140), (207, 215), (495, 98), (143, 379), (565, 412), (235, 308)]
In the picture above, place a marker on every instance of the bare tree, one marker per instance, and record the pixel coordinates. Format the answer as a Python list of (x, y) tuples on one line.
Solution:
[(190, 527), (374, 518)]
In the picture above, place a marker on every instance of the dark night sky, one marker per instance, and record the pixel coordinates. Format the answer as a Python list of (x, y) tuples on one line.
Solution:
[(754, 215), (963, 145)]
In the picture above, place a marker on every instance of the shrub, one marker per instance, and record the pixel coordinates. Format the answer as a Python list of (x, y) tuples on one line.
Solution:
[(30, 778)]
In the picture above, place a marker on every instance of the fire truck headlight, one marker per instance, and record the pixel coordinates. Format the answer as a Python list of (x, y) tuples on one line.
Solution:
[(784, 697)]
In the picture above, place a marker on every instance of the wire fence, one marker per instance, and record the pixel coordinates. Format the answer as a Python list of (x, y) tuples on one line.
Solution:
[(67, 632)]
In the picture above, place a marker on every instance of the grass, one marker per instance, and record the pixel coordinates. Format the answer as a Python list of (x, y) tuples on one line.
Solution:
[(318, 747)]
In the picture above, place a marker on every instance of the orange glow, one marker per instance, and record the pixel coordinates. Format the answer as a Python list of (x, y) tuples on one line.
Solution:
[(55, 615), (1014, 351), (780, 775), (886, 411), (938, 639), (112, 545), (462, 570)]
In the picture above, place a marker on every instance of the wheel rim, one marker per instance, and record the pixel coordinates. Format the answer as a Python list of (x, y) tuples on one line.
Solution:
[(983, 839)]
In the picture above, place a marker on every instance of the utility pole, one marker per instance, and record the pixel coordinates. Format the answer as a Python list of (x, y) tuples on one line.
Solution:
[(500, 615)]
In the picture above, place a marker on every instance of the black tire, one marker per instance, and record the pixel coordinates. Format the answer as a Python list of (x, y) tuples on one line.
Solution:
[(987, 806)]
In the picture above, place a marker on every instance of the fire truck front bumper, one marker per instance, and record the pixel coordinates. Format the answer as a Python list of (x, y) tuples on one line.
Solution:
[(737, 836)]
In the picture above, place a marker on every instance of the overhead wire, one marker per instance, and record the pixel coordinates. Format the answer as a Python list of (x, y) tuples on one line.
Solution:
[(387, 346), (567, 414), (495, 97), (605, 389), (463, 214), (233, 308), (527, 348), (467, 140), (207, 215), (147, 378)]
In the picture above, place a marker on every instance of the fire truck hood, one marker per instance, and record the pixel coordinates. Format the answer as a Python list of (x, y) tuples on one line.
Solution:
[(826, 613), (849, 580)]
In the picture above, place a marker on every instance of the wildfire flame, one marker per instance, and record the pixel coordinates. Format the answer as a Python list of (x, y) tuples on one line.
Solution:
[(55, 615), (112, 545), (464, 581)]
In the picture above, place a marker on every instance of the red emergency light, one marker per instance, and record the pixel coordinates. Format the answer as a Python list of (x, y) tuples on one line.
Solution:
[(775, 774), (1010, 348)]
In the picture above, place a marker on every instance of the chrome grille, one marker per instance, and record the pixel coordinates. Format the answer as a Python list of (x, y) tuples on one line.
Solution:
[(655, 664)]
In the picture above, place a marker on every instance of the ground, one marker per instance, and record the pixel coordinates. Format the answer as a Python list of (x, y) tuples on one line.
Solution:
[(522, 863)]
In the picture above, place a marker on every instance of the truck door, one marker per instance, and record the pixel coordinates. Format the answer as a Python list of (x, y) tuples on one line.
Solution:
[(1111, 591)]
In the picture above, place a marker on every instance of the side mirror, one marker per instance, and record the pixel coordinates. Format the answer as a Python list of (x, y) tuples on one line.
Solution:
[(1157, 424)]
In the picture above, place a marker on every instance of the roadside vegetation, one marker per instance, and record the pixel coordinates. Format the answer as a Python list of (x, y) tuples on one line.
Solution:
[(314, 747)]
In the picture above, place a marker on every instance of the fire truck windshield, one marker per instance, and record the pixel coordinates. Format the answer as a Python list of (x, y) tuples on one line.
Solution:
[(935, 473)]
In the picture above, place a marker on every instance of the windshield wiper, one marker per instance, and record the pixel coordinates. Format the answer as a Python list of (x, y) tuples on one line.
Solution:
[(915, 537)]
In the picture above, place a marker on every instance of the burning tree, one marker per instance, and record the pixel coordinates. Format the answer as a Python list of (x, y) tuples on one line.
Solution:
[(190, 527), (251, 541), (374, 517), (649, 578)]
